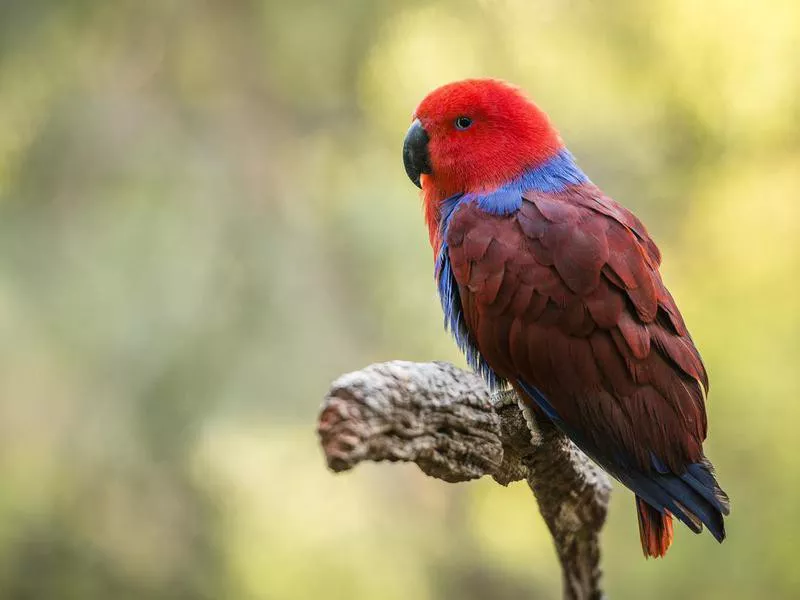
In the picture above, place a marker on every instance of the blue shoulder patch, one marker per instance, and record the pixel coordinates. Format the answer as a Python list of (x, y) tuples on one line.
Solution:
[(553, 175)]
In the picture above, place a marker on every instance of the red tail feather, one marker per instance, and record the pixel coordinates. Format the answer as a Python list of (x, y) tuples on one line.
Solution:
[(655, 529)]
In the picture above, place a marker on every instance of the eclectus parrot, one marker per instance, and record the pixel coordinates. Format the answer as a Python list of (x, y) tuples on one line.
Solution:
[(549, 285)]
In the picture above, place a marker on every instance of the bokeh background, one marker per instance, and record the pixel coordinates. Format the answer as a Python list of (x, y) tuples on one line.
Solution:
[(204, 219)]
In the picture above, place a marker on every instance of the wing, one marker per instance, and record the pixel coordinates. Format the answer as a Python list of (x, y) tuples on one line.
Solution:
[(564, 300)]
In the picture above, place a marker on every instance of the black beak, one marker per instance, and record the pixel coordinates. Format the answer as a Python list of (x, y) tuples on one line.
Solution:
[(415, 152)]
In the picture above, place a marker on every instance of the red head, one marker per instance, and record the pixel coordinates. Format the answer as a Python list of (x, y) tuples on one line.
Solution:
[(476, 134)]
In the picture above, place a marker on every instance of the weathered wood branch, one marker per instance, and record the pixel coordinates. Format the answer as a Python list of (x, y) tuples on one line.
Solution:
[(446, 421)]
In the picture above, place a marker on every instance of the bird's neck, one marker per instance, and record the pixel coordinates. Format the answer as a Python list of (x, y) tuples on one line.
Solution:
[(553, 175)]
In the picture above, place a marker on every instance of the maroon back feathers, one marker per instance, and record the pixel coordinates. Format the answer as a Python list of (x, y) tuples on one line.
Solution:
[(565, 295)]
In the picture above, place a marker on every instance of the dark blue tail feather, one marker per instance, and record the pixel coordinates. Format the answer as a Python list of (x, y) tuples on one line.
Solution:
[(694, 497)]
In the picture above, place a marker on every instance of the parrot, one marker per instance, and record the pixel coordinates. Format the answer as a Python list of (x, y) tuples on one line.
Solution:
[(553, 288)]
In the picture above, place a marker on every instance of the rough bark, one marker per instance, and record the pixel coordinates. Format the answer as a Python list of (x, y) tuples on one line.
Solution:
[(446, 421)]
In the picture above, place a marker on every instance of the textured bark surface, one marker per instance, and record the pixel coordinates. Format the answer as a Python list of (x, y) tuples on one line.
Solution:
[(446, 421)]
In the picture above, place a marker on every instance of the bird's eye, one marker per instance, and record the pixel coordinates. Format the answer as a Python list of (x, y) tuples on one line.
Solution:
[(463, 123)]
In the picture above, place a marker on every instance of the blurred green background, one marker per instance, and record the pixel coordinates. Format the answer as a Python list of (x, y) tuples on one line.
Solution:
[(204, 219)]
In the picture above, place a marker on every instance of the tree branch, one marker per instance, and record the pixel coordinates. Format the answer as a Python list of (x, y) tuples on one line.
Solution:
[(445, 420)]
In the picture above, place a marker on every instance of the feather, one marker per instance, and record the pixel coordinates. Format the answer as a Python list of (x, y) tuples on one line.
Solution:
[(553, 210), (581, 255), (655, 529), (635, 334)]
